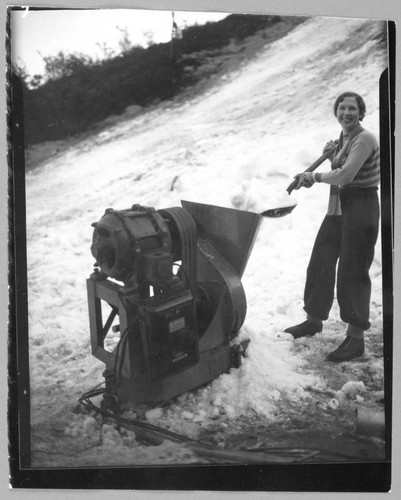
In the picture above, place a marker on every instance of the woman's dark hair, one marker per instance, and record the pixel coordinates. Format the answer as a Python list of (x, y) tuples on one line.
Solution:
[(359, 100)]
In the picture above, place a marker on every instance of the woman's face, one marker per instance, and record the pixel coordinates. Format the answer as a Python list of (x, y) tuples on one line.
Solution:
[(348, 113)]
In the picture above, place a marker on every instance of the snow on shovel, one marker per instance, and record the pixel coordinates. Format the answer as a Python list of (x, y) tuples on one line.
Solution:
[(285, 210)]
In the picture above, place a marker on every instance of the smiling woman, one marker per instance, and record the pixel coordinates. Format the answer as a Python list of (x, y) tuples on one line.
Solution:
[(348, 233), (349, 109), (96, 33)]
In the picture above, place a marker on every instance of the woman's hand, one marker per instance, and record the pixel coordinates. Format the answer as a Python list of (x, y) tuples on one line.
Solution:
[(330, 148), (306, 179)]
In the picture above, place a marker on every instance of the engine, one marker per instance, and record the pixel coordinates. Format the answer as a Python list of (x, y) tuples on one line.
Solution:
[(166, 299)]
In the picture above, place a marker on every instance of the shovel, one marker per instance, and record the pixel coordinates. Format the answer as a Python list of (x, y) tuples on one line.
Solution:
[(281, 211)]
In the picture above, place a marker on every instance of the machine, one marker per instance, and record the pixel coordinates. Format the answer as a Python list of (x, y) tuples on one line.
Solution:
[(165, 298)]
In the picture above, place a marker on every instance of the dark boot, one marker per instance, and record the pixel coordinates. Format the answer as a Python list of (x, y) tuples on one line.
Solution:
[(305, 329), (350, 348)]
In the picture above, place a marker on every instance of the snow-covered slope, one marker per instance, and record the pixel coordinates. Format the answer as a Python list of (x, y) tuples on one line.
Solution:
[(237, 145)]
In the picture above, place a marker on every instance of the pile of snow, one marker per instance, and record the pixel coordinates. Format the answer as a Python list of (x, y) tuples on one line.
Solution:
[(352, 390), (238, 146)]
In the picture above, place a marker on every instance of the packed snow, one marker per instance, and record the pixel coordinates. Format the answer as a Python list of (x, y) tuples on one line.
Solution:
[(238, 145)]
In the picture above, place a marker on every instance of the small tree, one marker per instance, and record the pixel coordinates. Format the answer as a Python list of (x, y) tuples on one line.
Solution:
[(36, 81), (149, 37), (108, 52), (62, 65), (21, 73), (125, 43)]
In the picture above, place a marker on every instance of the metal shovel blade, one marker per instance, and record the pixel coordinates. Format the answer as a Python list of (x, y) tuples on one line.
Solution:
[(278, 212)]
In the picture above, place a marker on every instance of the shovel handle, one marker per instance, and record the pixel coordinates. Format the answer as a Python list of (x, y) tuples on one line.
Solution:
[(313, 167)]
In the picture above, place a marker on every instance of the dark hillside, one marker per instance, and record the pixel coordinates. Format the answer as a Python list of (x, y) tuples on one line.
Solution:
[(80, 93)]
